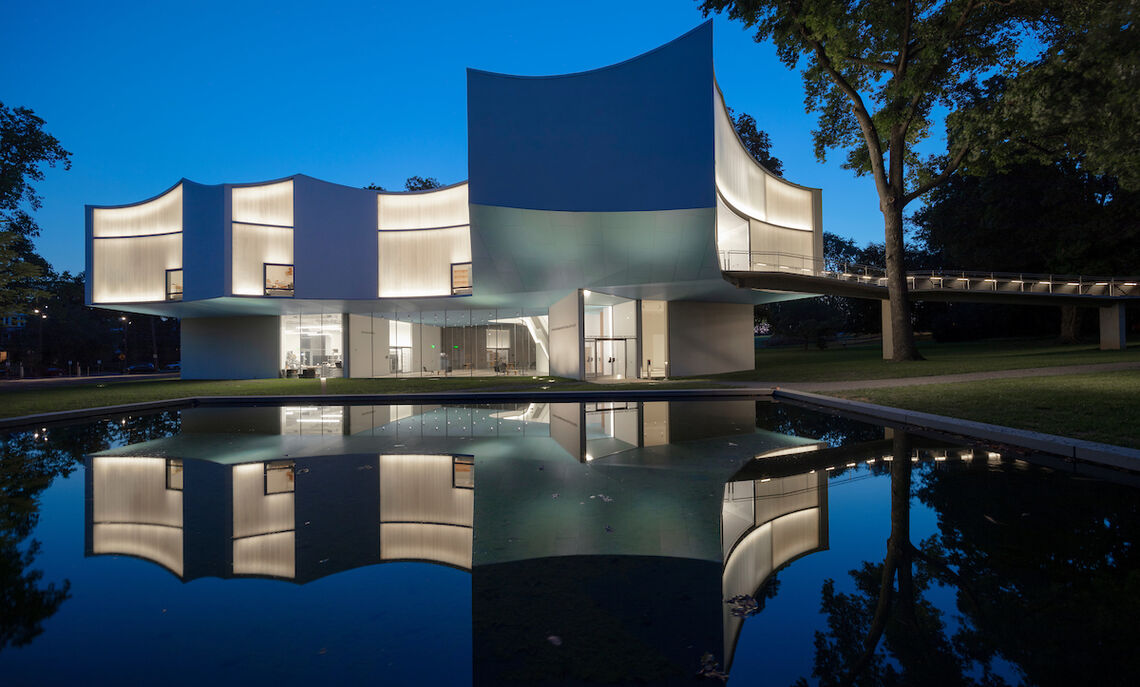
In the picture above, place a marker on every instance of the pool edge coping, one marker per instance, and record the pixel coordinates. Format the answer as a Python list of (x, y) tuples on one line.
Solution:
[(1067, 447)]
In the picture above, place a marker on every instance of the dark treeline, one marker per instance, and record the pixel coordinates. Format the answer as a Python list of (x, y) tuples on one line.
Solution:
[(1041, 219)]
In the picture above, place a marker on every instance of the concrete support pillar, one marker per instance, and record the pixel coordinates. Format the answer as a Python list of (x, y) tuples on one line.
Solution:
[(888, 332), (1112, 327)]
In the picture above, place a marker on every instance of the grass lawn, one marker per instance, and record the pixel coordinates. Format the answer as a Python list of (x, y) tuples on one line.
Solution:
[(865, 362), (15, 401), (1103, 406)]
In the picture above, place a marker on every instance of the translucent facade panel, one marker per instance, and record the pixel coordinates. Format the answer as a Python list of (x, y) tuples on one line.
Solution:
[(266, 204), (789, 206), (162, 545), (253, 246), (419, 488), (443, 208), (256, 512), (738, 177), (418, 263), (162, 215), (732, 240), (131, 270), (794, 534), (774, 247), (133, 490), (426, 542), (272, 555)]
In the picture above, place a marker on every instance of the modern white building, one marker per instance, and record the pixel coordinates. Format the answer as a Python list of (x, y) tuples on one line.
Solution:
[(590, 240)]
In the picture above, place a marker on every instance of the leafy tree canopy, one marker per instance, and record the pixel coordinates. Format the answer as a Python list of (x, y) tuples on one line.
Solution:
[(418, 183)]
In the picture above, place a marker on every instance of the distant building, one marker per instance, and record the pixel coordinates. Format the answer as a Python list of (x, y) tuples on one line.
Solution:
[(590, 240)]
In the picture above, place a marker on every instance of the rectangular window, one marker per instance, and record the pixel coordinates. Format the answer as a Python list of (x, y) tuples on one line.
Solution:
[(463, 472), (174, 474), (278, 280), (174, 285), (460, 279), (278, 477)]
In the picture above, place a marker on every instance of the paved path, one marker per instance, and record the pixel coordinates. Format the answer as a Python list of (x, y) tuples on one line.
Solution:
[(825, 387)]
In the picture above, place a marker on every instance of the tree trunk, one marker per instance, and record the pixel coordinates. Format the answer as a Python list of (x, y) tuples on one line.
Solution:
[(1070, 324), (903, 331)]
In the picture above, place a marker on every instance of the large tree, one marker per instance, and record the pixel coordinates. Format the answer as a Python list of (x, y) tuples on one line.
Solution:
[(880, 72), (25, 149)]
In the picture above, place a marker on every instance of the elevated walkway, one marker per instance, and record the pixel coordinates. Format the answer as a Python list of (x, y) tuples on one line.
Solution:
[(772, 271)]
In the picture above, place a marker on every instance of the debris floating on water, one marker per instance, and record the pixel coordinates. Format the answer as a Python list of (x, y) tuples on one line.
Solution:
[(555, 640), (743, 605)]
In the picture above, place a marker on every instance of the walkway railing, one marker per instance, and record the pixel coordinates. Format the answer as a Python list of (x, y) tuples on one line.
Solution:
[(932, 280)]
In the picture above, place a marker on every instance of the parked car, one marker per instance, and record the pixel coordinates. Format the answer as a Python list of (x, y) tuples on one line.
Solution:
[(139, 369), (175, 366), (54, 372)]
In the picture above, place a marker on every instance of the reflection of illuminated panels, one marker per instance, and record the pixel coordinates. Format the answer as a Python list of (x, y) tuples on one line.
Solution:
[(426, 508), (135, 512), (765, 524), (263, 523), (312, 420)]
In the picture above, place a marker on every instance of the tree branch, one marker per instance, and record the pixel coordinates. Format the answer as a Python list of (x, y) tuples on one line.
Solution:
[(866, 124), (940, 179), (872, 64)]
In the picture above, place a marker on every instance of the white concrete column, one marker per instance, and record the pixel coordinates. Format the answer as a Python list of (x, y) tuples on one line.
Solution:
[(888, 331), (1112, 329)]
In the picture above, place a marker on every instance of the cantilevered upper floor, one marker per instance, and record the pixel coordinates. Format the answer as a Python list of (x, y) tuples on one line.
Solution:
[(628, 180)]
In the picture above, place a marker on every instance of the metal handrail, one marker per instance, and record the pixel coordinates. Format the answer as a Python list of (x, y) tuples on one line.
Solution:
[(931, 280)]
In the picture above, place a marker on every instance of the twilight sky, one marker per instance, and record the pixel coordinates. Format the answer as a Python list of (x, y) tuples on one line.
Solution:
[(145, 93)]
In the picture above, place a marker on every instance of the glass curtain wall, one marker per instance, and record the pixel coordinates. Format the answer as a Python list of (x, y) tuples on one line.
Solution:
[(610, 342), (446, 343), (312, 345)]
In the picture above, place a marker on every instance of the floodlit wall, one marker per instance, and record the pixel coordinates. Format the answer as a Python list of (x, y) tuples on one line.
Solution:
[(421, 235), (134, 513), (262, 232), (765, 525), (708, 338), (763, 221), (423, 514), (230, 347), (133, 246)]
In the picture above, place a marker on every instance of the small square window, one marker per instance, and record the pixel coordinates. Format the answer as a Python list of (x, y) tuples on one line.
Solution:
[(463, 472), (460, 278), (174, 474), (278, 280), (174, 285), (279, 476)]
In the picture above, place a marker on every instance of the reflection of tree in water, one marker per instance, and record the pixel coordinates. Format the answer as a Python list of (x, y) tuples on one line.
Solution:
[(832, 430), (1045, 575), (29, 462)]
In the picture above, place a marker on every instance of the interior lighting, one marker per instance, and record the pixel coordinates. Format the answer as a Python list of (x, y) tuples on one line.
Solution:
[(1102, 283)]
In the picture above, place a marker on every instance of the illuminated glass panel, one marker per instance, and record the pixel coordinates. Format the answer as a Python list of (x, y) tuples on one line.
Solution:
[(264, 204), (442, 208), (419, 263), (253, 247), (133, 269), (163, 215)]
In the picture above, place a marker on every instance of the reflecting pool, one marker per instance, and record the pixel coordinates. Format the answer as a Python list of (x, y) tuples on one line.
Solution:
[(555, 543)]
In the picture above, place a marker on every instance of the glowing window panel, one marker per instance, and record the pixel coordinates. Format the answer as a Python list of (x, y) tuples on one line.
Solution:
[(265, 204)]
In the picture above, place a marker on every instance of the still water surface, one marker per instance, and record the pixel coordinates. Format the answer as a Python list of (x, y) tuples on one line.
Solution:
[(554, 543)]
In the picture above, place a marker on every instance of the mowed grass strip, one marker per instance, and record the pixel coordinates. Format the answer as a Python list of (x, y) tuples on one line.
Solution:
[(15, 401), (865, 362), (1103, 406)]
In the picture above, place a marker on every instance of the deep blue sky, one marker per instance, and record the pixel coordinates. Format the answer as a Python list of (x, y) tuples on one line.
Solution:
[(144, 94)]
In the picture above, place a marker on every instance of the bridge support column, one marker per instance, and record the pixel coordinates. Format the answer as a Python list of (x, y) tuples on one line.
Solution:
[(888, 331), (1112, 327)]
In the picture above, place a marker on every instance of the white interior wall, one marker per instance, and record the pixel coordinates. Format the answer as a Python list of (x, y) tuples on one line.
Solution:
[(654, 339), (566, 337)]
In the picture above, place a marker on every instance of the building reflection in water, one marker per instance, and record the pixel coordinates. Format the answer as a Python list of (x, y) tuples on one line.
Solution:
[(566, 492)]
